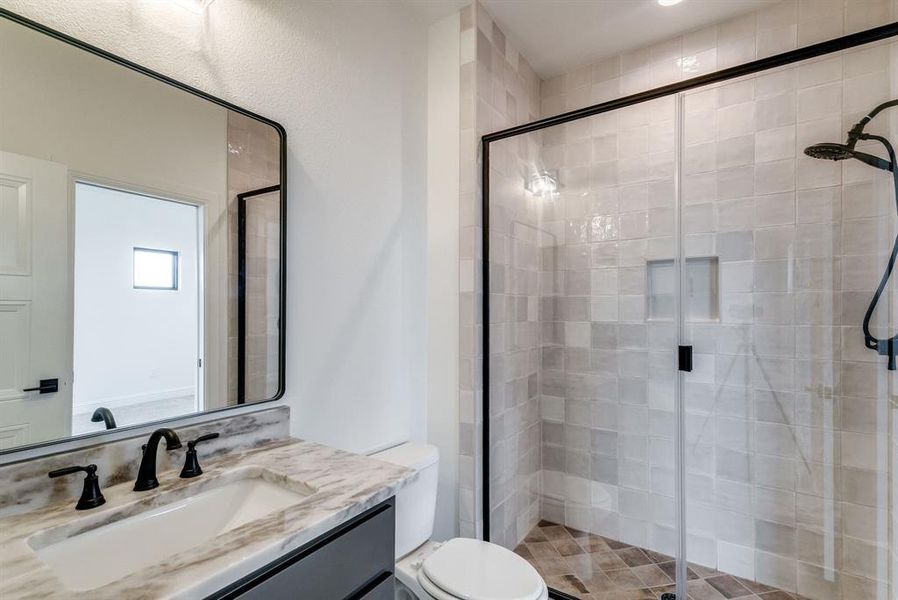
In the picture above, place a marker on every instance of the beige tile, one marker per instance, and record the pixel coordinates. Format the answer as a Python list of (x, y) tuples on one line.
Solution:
[(651, 575), (700, 589), (608, 561)]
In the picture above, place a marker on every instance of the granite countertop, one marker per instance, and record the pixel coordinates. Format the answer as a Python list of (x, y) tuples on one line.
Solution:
[(344, 485)]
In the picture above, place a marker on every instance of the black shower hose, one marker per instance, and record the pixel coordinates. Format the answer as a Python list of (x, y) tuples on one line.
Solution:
[(888, 346)]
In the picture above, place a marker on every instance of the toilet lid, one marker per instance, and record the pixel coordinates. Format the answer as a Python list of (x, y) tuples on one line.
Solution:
[(475, 570)]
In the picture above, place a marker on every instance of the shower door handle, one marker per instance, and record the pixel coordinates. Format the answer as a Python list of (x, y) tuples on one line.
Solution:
[(684, 362), (46, 386)]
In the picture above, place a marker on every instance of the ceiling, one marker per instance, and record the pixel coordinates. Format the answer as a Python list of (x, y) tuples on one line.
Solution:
[(558, 35)]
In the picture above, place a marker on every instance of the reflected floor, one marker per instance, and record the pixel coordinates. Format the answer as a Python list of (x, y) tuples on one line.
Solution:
[(592, 567), (139, 412)]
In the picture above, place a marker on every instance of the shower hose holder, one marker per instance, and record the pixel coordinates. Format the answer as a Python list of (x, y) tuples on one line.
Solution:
[(884, 348)]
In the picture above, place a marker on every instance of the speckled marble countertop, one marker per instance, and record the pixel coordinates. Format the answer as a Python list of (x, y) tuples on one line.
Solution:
[(347, 484)]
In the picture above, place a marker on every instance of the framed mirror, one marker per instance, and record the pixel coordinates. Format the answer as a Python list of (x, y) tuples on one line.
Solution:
[(142, 243)]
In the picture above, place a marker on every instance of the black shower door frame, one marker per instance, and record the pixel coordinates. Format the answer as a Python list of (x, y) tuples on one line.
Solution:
[(241, 288), (846, 42)]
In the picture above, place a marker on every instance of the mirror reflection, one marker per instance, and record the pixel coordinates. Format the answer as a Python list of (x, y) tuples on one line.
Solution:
[(140, 247)]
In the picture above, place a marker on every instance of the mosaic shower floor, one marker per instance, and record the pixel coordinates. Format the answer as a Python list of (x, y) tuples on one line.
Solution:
[(592, 567)]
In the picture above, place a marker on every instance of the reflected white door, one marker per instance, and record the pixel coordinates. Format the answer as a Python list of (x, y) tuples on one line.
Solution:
[(35, 300)]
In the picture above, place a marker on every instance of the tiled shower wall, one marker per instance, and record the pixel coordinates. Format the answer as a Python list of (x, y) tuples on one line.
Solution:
[(498, 89), (782, 556), (787, 418), (778, 28)]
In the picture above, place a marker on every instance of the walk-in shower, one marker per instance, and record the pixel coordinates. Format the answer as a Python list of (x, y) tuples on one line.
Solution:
[(678, 392), (835, 152)]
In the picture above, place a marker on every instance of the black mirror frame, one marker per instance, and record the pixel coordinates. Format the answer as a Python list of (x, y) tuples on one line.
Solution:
[(282, 279)]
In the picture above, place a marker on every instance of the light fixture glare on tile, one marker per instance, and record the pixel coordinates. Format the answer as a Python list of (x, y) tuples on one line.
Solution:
[(543, 184), (668, 2), (689, 64)]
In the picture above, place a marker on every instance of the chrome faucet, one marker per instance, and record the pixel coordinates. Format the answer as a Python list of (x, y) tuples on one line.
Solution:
[(146, 476)]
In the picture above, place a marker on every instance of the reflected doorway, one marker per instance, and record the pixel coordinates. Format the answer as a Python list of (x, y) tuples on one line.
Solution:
[(137, 323)]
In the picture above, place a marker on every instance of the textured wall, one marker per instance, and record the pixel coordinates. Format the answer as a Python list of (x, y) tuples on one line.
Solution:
[(347, 80)]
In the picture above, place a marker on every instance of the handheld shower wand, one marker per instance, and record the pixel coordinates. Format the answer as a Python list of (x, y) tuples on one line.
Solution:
[(829, 151)]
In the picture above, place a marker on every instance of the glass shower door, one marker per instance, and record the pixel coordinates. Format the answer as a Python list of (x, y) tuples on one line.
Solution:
[(786, 413), (698, 220), (582, 345)]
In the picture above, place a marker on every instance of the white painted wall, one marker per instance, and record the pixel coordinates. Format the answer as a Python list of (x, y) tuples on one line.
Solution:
[(442, 263), (347, 80), (132, 344)]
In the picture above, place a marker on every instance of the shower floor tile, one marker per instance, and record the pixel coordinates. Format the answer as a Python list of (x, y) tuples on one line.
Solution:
[(593, 567)]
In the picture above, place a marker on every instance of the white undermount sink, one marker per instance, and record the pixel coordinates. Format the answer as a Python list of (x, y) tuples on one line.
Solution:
[(90, 559)]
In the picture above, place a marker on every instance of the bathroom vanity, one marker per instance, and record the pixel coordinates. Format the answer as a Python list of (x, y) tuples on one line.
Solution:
[(353, 560), (289, 519)]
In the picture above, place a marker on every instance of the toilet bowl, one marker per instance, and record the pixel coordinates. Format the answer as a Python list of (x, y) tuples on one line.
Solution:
[(460, 568)]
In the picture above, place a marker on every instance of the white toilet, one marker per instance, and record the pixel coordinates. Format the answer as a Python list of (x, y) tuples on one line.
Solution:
[(459, 569)]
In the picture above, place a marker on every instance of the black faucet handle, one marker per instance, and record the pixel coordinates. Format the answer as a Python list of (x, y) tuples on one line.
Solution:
[(89, 469), (91, 496), (202, 438), (191, 462)]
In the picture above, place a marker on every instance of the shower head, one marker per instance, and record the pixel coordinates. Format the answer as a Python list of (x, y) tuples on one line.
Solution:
[(829, 151)]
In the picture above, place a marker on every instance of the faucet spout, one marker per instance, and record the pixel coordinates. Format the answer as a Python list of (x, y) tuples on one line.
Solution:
[(146, 476), (105, 415)]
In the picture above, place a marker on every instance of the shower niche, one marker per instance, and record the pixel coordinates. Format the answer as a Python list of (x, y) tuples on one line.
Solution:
[(701, 300), (766, 468)]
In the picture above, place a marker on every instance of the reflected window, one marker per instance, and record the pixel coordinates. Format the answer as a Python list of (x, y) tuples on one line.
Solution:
[(155, 269)]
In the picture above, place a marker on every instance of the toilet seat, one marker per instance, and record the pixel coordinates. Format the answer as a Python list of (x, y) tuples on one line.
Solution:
[(437, 594), (467, 569), (432, 590)]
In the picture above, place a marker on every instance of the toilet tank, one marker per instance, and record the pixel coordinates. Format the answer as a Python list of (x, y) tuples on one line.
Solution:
[(416, 502)]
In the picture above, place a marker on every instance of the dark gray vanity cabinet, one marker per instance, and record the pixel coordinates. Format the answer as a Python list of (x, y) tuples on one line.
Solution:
[(352, 561)]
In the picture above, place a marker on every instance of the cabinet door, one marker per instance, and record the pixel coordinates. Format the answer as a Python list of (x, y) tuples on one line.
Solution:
[(383, 589), (355, 560)]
